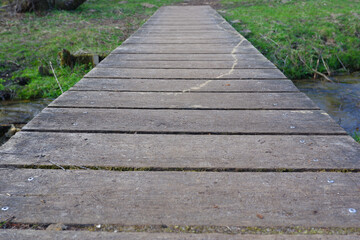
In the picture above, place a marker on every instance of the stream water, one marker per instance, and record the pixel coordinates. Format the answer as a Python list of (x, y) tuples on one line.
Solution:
[(14, 114), (21, 112), (340, 99)]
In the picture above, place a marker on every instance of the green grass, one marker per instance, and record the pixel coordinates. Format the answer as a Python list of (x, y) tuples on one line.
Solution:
[(356, 136), (287, 30), (34, 39)]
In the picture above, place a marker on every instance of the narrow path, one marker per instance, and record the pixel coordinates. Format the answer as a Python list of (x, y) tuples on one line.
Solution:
[(184, 128)]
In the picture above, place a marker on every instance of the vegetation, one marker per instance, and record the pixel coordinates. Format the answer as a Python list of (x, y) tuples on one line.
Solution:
[(301, 36), (356, 136), (31, 40)]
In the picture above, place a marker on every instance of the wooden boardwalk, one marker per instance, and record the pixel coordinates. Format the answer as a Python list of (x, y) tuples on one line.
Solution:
[(184, 128)]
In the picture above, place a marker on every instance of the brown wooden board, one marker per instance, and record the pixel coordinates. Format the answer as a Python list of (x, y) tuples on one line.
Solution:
[(185, 100), (181, 198), (186, 73), (204, 34), (178, 22), (244, 152), (113, 62), (187, 57), (170, 31), (185, 48), (185, 121), (183, 28), (59, 235), (175, 23), (180, 40), (174, 85)]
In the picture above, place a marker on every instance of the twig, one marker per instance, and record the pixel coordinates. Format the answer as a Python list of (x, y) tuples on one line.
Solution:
[(8, 220), (341, 63), (317, 65), (82, 167), (18, 65), (315, 71), (57, 165), (56, 78), (267, 38), (326, 66)]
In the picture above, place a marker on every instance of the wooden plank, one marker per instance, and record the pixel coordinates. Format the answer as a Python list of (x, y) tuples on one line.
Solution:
[(186, 73), (182, 151), (185, 121), (188, 34), (182, 28), (181, 198), (174, 85), (180, 40), (59, 235), (185, 48), (184, 100), (159, 22), (178, 22), (170, 31), (111, 61), (187, 57)]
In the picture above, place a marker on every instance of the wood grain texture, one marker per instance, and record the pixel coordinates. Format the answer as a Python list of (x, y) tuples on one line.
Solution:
[(185, 100), (186, 73), (188, 48), (182, 151), (181, 198), (174, 85), (185, 121), (186, 57), (112, 62), (68, 235), (180, 40)]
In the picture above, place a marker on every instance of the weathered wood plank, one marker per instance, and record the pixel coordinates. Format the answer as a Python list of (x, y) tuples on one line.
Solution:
[(159, 22), (182, 151), (185, 121), (113, 62), (187, 57), (181, 28), (178, 22), (186, 73), (180, 40), (186, 34), (175, 85), (186, 48), (170, 31), (59, 235), (184, 100), (181, 198)]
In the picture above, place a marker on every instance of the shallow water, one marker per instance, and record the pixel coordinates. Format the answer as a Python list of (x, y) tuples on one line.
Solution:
[(341, 99), (20, 112)]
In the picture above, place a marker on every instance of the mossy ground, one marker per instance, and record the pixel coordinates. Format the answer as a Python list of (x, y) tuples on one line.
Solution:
[(34, 39)]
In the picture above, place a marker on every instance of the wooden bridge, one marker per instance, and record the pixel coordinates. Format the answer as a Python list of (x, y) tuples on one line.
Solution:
[(185, 131)]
